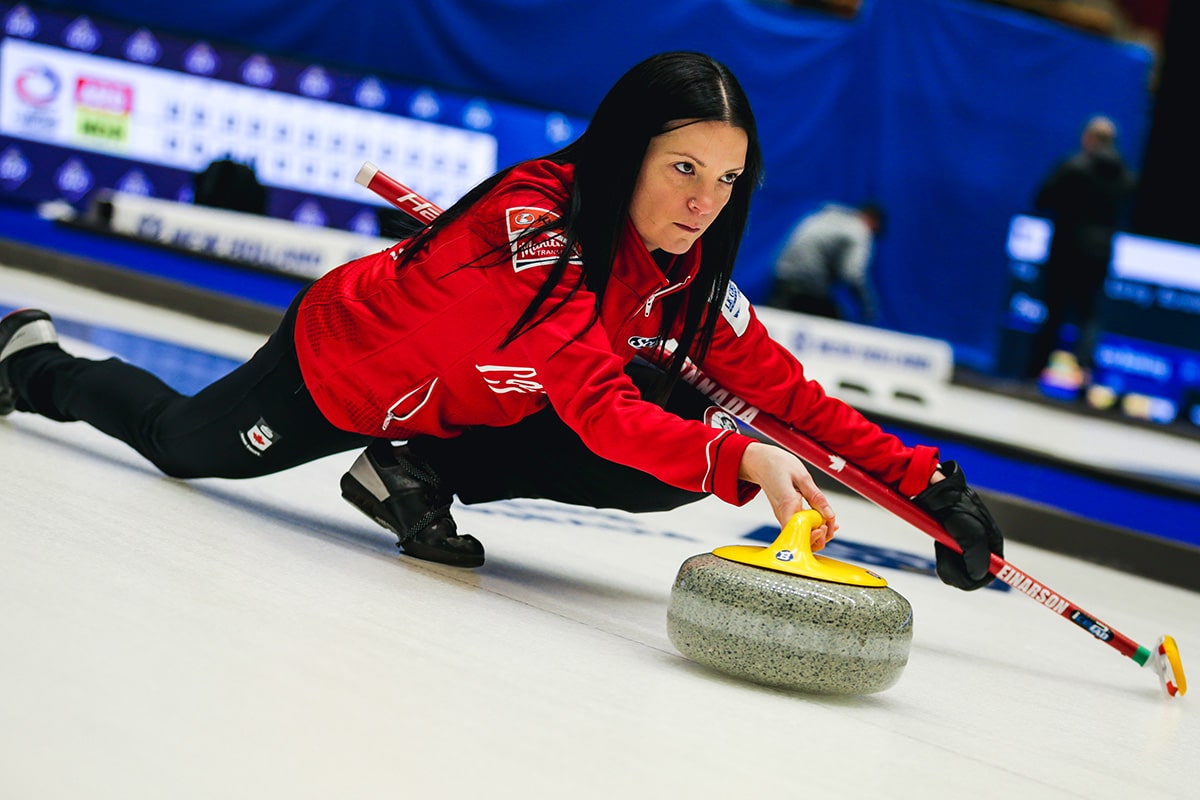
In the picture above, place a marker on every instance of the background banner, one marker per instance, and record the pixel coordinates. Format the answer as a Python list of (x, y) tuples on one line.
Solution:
[(948, 112)]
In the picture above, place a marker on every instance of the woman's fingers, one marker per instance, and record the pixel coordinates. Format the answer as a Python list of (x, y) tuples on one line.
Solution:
[(788, 486)]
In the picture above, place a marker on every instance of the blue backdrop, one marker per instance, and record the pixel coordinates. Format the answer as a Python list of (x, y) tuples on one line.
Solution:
[(949, 112)]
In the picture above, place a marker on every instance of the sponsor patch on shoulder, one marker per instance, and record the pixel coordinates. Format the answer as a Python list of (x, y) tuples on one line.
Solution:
[(539, 250), (736, 309)]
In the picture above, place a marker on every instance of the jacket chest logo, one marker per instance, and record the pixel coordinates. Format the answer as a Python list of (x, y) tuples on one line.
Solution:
[(641, 342), (530, 245)]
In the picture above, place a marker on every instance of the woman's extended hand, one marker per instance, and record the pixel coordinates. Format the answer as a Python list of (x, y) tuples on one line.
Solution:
[(787, 484)]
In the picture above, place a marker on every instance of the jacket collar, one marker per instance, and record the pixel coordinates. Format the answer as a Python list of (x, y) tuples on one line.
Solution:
[(636, 268)]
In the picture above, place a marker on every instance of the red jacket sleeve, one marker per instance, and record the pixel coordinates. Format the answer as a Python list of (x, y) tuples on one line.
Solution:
[(745, 360)]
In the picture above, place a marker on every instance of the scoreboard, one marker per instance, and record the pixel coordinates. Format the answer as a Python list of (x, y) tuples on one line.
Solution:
[(1149, 346), (86, 104)]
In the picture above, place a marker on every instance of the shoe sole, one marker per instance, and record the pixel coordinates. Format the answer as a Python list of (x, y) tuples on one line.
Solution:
[(427, 553), (361, 498)]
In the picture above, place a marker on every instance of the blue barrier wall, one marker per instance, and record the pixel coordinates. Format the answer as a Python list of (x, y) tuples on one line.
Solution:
[(947, 111)]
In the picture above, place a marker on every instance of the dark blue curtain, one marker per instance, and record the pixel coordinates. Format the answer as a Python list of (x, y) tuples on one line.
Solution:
[(949, 112)]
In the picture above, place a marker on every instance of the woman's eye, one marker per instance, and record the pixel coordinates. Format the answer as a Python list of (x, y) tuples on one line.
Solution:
[(730, 178), (685, 168)]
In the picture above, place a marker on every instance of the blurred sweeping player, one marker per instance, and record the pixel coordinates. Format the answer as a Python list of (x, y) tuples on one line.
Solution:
[(495, 354)]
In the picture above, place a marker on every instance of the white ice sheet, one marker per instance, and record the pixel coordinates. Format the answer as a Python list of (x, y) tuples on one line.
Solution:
[(262, 639)]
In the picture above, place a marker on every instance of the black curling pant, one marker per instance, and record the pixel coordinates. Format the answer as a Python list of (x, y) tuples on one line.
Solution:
[(256, 420), (261, 419)]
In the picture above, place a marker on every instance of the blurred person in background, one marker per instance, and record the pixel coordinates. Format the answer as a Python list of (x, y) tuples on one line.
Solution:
[(824, 269), (1085, 197), (232, 185)]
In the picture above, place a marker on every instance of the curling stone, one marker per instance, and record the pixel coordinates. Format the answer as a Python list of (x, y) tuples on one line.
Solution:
[(781, 616)]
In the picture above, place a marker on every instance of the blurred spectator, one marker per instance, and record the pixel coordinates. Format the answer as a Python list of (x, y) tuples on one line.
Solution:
[(828, 255), (229, 184), (1085, 197)]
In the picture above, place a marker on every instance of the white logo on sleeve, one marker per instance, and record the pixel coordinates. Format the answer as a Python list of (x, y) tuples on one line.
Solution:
[(736, 309), (503, 380)]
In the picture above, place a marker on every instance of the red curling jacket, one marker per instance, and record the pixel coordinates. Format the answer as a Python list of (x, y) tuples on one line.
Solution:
[(416, 351)]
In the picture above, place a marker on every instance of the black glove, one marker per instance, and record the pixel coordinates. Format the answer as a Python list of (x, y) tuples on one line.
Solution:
[(966, 518)]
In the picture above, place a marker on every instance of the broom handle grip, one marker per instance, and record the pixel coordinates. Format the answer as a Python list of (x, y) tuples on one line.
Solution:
[(396, 193)]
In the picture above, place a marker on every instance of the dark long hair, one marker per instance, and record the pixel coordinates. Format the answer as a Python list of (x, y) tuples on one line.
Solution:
[(653, 97)]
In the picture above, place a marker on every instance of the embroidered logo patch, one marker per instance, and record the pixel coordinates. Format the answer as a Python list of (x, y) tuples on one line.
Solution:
[(539, 250), (259, 437), (736, 309)]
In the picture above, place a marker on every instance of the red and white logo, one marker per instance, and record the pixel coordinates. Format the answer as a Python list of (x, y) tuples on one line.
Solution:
[(37, 86), (534, 249), (101, 94), (259, 437)]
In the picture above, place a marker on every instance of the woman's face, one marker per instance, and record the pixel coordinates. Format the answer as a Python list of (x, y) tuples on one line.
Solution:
[(686, 179)]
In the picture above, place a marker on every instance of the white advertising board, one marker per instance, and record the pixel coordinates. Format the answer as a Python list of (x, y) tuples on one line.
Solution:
[(301, 250), (159, 116)]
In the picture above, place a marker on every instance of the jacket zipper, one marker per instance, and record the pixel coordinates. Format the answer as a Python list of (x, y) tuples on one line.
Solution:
[(649, 305)]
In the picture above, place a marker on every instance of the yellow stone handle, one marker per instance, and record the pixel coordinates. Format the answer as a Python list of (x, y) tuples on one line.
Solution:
[(792, 553), (797, 533)]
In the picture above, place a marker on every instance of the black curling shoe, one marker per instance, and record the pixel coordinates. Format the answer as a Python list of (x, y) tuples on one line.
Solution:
[(403, 494), (20, 330)]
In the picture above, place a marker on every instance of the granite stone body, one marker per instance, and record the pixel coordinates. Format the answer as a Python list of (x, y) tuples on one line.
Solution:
[(786, 630)]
